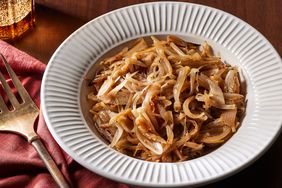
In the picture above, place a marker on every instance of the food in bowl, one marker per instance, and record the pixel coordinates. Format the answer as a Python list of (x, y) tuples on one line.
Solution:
[(167, 101)]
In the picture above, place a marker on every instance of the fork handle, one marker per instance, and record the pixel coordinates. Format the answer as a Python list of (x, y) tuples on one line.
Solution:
[(49, 163)]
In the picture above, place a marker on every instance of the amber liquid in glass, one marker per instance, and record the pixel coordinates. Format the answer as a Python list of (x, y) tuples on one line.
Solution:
[(16, 17)]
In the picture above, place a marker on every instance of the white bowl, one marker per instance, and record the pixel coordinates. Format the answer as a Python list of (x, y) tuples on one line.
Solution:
[(233, 39)]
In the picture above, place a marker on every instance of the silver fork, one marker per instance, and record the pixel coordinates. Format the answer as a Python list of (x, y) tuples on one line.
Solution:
[(21, 118)]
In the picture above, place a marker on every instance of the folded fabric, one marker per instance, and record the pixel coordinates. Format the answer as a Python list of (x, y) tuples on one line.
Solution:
[(20, 165)]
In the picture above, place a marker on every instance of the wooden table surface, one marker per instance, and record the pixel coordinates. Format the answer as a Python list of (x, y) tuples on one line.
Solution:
[(52, 27)]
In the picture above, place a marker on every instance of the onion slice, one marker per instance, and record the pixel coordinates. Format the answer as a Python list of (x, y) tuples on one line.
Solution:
[(202, 116), (215, 91), (216, 139), (117, 136), (182, 75), (153, 146)]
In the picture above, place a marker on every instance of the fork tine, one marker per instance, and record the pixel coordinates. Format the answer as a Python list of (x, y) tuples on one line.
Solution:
[(3, 106), (17, 83), (8, 91)]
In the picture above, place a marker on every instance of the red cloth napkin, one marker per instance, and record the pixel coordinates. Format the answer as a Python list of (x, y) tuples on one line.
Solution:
[(20, 165)]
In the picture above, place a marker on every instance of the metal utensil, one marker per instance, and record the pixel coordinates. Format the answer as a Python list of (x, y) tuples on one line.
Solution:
[(19, 118)]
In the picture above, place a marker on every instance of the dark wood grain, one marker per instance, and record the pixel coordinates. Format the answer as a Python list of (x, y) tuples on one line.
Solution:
[(52, 27)]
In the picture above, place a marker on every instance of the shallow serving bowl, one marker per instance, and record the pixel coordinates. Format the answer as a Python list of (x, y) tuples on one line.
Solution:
[(65, 107)]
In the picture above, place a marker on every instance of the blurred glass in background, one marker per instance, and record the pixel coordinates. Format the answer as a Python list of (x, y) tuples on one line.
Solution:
[(16, 17)]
